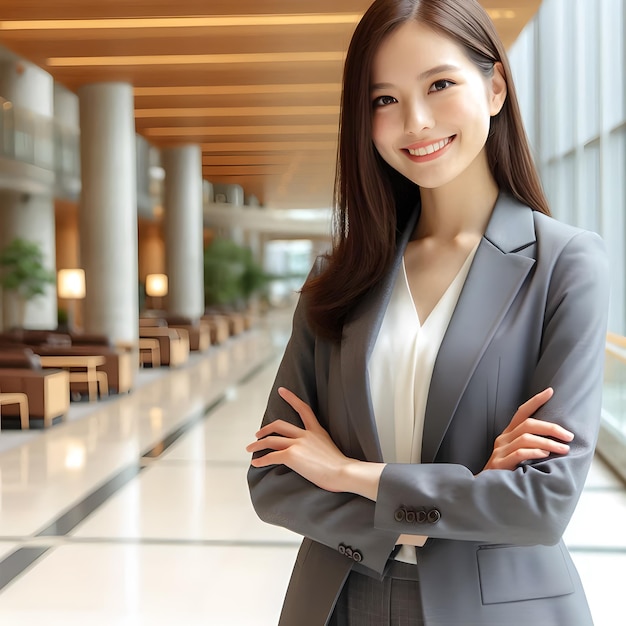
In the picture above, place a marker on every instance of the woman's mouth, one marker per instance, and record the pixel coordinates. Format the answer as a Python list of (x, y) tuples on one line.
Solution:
[(430, 149)]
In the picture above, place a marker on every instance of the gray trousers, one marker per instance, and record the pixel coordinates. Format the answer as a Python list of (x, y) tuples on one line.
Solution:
[(393, 601)]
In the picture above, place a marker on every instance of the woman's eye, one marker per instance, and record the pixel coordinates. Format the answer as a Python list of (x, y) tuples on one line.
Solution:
[(440, 85), (382, 101)]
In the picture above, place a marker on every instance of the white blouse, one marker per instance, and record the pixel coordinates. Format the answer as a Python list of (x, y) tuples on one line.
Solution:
[(400, 369)]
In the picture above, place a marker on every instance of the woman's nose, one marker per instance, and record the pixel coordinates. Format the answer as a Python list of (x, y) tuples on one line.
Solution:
[(417, 117)]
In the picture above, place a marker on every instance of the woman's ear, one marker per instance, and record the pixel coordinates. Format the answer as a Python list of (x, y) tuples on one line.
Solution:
[(497, 95)]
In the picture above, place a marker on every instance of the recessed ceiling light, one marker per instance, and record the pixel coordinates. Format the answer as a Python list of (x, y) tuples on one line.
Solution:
[(184, 22), (185, 131), (236, 111), (197, 59), (217, 90), (501, 14)]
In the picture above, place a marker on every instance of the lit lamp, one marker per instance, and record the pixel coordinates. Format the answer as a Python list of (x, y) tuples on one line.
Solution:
[(156, 287), (71, 286)]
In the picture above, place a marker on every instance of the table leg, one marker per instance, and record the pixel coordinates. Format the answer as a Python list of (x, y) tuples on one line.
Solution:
[(92, 383), (103, 383)]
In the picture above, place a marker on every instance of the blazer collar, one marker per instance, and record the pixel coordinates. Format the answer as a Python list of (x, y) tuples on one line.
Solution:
[(511, 227), (497, 274), (358, 339), (491, 285)]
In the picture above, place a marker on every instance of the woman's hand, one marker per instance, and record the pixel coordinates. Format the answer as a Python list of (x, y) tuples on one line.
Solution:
[(526, 438), (311, 452)]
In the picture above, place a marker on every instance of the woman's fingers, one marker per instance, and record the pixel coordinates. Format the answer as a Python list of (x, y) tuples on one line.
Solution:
[(529, 408), (267, 460), (300, 407), (526, 447), (528, 440), (279, 435), (539, 427), (279, 427), (269, 443), (512, 460)]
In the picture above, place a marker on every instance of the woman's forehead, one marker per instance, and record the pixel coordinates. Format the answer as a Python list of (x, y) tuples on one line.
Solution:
[(417, 49)]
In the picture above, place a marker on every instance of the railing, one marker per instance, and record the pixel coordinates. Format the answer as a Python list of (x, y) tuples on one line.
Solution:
[(612, 441), (31, 138)]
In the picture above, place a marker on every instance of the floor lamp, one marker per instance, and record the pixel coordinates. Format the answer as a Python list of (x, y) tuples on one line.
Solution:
[(71, 287), (156, 288)]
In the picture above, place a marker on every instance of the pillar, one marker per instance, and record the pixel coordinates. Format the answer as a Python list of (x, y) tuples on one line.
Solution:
[(24, 214), (108, 210), (183, 225)]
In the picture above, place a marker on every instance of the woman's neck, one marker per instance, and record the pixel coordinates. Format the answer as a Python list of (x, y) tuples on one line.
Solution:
[(463, 206)]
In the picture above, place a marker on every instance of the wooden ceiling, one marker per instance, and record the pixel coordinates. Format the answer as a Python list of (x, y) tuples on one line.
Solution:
[(255, 82)]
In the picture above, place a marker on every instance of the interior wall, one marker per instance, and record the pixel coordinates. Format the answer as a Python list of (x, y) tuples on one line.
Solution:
[(151, 249), (67, 248)]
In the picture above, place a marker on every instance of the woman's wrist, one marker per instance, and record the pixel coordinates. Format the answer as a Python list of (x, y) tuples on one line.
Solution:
[(361, 478)]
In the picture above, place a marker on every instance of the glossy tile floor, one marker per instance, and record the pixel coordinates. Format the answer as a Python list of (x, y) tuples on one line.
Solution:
[(135, 511)]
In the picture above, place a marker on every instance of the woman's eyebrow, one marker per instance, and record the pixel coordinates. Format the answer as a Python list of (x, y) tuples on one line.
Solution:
[(423, 76)]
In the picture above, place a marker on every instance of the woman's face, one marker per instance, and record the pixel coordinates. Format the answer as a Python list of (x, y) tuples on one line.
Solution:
[(431, 107)]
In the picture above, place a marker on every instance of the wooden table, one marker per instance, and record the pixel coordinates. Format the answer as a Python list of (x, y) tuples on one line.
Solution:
[(82, 369), (21, 399), (149, 351)]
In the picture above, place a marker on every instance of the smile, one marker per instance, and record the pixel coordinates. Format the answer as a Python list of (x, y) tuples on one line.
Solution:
[(431, 148)]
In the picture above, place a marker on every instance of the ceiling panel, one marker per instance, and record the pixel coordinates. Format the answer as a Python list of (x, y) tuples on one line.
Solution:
[(255, 83)]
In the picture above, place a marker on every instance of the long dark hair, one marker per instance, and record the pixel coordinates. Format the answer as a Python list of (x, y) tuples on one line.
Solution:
[(373, 201)]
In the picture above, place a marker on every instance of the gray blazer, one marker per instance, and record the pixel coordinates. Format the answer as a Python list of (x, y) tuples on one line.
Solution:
[(532, 314)]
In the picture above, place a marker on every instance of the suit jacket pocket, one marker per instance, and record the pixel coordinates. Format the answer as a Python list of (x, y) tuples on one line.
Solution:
[(516, 573)]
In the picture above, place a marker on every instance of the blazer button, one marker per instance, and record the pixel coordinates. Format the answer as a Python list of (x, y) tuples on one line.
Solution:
[(349, 553), (400, 515), (342, 548), (410, 517), (357, 556), (421, 517), (434, 516)]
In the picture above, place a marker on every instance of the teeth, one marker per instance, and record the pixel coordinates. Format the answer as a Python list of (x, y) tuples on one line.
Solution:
[(434, 147)]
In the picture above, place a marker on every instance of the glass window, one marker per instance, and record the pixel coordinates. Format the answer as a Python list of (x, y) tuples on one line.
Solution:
[(589, 209), (589, 87), (614, 62), (614, 226), (523, 66), (559, 179), (549, 180), (546, 69), (567, 76)]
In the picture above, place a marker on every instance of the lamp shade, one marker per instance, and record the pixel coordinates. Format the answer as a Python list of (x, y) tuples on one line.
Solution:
[(156, 285), (71, 283)]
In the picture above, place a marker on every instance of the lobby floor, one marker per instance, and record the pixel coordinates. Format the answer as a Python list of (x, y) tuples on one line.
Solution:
[(135, 511)]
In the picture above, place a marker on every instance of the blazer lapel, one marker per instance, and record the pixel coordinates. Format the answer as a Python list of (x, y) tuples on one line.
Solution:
[(496, 276), (359, 337)]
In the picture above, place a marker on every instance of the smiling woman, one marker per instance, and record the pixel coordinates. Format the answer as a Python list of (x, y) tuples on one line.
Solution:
[(434, 416), (446, 111)]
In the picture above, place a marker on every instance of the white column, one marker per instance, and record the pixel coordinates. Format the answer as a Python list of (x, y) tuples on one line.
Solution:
[(25, 84), (30, 217), (108, 210), (183, 230), (66, 107), (27, 215)]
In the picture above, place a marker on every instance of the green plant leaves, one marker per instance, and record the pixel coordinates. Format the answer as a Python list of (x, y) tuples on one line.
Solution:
[(231, 275), (22, 269)]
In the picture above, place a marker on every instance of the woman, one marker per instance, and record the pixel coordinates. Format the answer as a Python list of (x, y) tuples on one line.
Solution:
[(399, 438)]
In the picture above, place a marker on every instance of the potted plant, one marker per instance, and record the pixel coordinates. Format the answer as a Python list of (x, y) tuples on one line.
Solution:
[(22, 272), (231, 275)]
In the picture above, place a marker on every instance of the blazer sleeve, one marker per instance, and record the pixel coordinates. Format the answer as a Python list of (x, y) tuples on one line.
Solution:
[(534, 503), (280, 496)]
